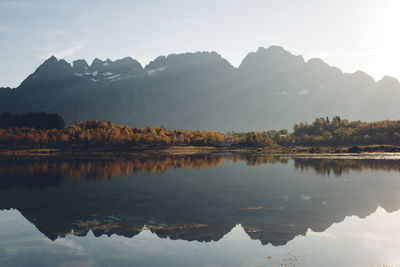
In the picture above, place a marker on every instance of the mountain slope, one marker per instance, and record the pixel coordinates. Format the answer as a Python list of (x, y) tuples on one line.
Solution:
[(272, 88)]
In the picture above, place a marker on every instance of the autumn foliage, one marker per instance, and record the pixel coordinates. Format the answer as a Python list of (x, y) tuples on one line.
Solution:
[(322, 132), (342, 132), (105, 133), (252, 139)]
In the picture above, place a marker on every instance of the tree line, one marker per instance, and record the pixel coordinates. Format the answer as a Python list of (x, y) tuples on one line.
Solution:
[(325, 132), (95, 132), (37, 120), (341, 132), (32, 129)]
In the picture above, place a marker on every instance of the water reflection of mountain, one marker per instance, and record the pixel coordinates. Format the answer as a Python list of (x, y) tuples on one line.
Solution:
[(340, 166), (273, 202)]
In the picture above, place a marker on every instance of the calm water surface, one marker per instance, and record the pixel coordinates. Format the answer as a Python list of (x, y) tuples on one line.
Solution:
[(210, 210)]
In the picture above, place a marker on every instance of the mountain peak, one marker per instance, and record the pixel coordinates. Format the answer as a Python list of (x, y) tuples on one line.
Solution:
[(188, 60), (317, 61), (272, 49), (51, 69), (96, 62), (270, 61), (125, 59), (52, 58), (80, 65), (389, 81), (127, 62), (360, 75), (53, 65)]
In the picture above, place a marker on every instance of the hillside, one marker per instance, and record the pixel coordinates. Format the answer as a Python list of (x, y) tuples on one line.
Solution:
[(271, 89)]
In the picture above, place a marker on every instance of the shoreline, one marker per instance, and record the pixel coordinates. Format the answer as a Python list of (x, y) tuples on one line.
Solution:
[(113, 151)]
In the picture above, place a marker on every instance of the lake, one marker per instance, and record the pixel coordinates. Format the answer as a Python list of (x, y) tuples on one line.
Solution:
[(201, 210)]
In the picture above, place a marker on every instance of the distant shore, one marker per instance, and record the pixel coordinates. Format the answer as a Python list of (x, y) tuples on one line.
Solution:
[(104, 151)]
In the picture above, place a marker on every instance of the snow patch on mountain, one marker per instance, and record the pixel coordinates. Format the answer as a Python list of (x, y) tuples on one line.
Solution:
[(113, 77), (94, 73), (152, 72)]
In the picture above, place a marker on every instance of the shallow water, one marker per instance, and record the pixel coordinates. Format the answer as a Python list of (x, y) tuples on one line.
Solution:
[(210, 210)]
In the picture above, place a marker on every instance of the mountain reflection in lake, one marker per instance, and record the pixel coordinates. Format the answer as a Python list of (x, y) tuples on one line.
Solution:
[(258, 211)]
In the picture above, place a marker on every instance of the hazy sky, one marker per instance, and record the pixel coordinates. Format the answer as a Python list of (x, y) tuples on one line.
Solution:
[(351, 34)]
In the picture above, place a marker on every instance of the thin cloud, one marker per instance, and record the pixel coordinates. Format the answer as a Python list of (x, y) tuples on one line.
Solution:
[(59, 50)]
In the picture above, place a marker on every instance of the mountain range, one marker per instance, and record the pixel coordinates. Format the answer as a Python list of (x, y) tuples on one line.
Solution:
[(271, 89)]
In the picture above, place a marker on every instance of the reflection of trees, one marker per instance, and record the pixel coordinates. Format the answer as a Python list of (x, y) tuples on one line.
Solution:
[(339, 166), (254, 160), (98, 169), (272, 208)]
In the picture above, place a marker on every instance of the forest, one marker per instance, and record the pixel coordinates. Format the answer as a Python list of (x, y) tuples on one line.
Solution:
[(41, 129), (339, 132), (97, 133), (37, 120)]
